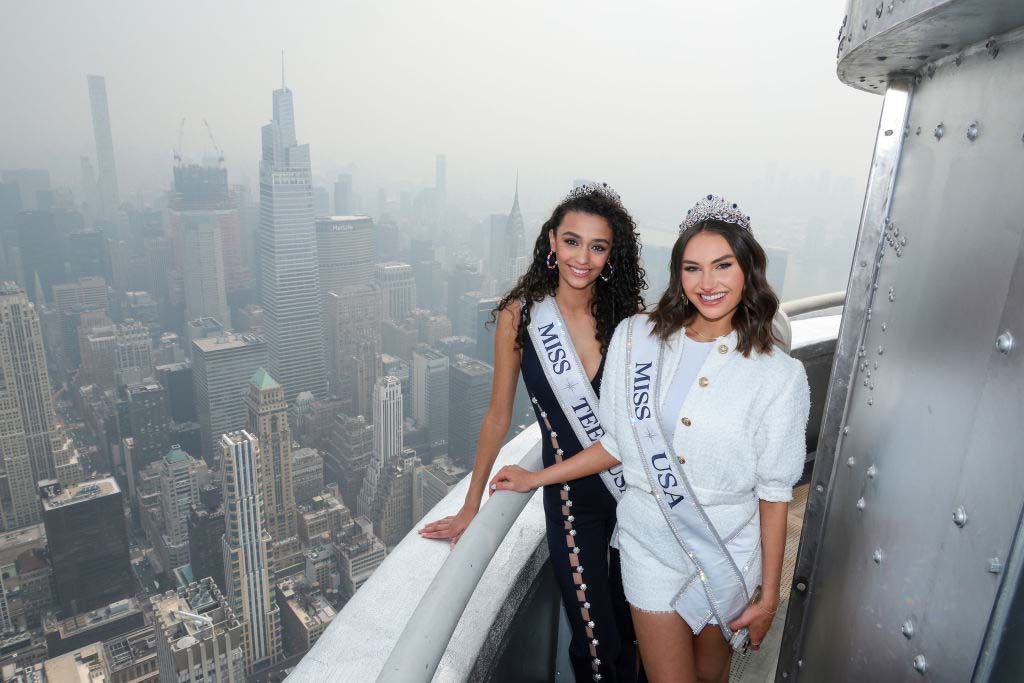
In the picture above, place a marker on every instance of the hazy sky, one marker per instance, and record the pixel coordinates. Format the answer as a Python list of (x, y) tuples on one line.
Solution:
[(665, 99)]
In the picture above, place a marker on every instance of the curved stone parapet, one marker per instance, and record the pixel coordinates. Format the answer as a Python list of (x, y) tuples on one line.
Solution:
[(883, 39), (361, 638)]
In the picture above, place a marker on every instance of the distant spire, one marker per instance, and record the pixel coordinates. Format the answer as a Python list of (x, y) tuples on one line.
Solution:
[(282, 70), (515, 198)]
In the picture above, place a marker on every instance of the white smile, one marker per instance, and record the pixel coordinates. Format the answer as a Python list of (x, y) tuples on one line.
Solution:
[(580, 272), (712, 297)]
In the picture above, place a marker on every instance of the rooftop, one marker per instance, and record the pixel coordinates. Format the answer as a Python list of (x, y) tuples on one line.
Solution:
[(262, 379), (77, 493)]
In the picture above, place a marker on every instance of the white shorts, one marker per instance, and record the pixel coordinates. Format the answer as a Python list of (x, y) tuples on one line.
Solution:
[(655, 568)]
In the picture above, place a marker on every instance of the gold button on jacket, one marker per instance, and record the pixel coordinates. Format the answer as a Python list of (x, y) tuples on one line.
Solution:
[(723, 349), (686, 422), (703, 381)]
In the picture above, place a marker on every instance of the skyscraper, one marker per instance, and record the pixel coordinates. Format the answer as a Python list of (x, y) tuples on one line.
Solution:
[(179, 491), (470, 390), (204, 650), (288, 257), (204, 226), (345, 252), (343, 204), (349, 454), (268, 422), (430, 396), (441, 176), (149, 418), (508, 248), (109, 199), (387, 419), (354, 318), (221, 371), (247, 560), (398, 287), (87, 536), (23, 360), (19, 504)]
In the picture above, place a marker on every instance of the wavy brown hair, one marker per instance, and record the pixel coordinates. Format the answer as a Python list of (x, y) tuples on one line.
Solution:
[(758, 304), (614, 300)]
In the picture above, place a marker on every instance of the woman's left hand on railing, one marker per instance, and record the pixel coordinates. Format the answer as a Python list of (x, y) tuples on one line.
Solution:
[(514, 478), (452, 527)]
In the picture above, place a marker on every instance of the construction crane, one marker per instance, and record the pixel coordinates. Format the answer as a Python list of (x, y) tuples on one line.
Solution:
[(177, 147), (217, 149)]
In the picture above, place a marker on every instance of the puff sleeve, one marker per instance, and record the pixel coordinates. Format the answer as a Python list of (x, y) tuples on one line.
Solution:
[(612, 385), (781, 436)]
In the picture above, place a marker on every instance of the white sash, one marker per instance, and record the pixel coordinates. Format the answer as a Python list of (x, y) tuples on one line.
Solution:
[(721, 587), (568, 381)]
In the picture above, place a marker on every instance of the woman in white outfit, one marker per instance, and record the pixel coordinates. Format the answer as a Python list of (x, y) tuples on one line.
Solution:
[(708, 420)]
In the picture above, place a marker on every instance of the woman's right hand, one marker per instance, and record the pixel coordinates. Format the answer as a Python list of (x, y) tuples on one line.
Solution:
[(514, 478), (451, 527)]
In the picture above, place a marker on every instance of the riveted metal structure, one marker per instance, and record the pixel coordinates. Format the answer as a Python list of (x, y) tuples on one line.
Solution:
[(912, 554)]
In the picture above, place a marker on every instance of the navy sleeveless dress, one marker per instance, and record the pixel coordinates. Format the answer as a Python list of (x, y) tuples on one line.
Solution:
[(580, 517)]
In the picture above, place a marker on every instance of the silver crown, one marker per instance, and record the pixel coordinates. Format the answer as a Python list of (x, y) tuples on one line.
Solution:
[(587, 189), (715, 208)]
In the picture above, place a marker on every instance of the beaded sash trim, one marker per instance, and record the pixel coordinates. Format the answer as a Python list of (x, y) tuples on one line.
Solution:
[(568, 381), (573, 550), (724, 590)]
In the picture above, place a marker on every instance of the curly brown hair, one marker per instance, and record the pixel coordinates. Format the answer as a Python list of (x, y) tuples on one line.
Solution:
[(758, 305), (614, 300)]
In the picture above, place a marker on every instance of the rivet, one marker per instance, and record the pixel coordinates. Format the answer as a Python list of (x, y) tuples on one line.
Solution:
[(881, 350), (846, 429), (918, 132), (972, 131), (1004, 342), (920, 664), (861, 504), (960, 516), (801, 585), (888, 132), (940, 130), (892, 295), (851, 461), (871, 401), (908, 629), (877, 556), (864, 24), (872, 472), (994, 565), (903, 241), (863, 264), (890, 7), (819, 488), (800, 663), (865, 382), (884, 327)]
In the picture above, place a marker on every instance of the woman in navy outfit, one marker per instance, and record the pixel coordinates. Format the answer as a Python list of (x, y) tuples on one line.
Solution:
[(585, 261)]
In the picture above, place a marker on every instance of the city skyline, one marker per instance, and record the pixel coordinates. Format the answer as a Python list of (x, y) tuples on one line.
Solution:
[(676, 118)]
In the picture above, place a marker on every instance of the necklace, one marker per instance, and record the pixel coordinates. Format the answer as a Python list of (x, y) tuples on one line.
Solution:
[(703, 336)]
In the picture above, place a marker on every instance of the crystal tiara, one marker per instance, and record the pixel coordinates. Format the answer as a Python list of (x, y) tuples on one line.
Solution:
[(715, 208), (587, 189)]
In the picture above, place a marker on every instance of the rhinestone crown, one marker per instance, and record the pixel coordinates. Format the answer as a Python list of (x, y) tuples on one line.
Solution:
[(715, 208), (588, 189)]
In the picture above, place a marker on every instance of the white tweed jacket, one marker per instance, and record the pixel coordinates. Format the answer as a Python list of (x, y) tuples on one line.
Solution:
[(741, 428)]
